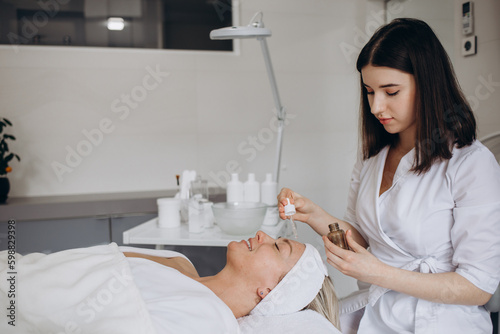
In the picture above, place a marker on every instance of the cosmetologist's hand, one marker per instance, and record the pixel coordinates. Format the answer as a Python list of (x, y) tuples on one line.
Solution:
[(358, 262), (303, 205)]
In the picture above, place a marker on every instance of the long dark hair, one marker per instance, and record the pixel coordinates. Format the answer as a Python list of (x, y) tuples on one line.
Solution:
[(443, 115)]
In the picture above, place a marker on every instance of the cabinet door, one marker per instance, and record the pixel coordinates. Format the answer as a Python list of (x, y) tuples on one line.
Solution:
[(55, 235)]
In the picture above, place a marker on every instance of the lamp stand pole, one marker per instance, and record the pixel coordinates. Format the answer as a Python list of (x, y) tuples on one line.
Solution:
[(280, 110)]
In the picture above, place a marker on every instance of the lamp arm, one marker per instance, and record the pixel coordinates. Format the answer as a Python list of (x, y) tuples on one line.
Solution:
[(280, 110), (279, 141), (270, 73)]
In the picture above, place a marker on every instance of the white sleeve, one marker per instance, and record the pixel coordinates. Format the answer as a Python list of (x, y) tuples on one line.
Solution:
[(475, 234), (350, 215)]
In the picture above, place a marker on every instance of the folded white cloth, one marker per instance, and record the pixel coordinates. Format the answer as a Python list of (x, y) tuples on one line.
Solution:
[(298, 288), (306, 321)]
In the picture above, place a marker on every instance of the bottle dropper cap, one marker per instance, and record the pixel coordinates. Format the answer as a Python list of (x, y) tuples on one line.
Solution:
[(289, 209)]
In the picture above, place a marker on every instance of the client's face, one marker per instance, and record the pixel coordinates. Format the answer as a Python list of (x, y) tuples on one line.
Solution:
[(263, 258)]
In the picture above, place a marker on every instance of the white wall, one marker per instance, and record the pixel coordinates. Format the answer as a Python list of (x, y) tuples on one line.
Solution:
[(204, 115), (210, 104), (206, 106), (479, 75), (439, 15)]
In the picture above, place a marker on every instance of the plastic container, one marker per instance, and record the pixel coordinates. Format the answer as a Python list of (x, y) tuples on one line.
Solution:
[(209, 214), (196, 223), (199, 187), (169, 212), (269, 191), (234, 191), (251, 189)]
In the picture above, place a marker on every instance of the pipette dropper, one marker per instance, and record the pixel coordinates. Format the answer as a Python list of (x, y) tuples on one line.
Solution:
[(294, 227), (289, 212)]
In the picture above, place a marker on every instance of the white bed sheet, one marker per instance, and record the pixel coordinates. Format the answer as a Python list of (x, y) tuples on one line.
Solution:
[(99, 290), (178, 304), (303, 322)]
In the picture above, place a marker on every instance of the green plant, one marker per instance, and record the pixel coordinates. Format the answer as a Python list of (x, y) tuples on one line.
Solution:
[(5, 156)]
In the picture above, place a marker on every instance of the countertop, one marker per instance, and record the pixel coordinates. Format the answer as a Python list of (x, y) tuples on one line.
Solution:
[(149, 233), (89, 205)]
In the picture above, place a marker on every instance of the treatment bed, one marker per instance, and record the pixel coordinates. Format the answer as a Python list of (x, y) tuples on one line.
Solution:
[(99, 290)]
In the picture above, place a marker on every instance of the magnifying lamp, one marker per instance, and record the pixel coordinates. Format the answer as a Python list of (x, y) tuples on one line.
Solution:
[(256, 30)]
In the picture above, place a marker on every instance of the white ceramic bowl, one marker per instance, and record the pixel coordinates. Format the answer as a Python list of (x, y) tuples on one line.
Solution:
[(239, 218)]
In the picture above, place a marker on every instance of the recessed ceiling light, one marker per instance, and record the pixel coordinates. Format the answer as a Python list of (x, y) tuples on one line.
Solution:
[(116, 23)]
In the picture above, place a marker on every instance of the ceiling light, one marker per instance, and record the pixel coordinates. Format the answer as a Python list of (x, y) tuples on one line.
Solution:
[(116, 23)]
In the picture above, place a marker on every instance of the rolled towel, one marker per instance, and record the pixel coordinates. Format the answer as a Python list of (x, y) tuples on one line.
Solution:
[(297, 289)]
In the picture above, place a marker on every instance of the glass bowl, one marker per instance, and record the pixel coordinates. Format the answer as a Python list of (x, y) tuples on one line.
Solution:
[(239, 218)]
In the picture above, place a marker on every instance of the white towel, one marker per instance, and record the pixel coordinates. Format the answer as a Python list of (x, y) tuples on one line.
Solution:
[(298, 288), (84, 290)]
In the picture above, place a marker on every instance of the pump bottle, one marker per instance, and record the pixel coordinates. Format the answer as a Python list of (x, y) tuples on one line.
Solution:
[(269, 191), (234, 191), (251, 189)]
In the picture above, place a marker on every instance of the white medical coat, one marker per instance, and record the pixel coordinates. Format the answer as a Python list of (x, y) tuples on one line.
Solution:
[(447, 219)]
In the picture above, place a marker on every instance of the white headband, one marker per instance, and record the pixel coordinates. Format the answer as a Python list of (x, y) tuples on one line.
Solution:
[(298, 288)]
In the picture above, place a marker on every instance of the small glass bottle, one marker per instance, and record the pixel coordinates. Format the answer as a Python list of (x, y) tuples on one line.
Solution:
[(337, 236)]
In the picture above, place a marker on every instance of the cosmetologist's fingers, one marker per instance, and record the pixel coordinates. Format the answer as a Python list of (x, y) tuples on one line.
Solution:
[(355, 247)]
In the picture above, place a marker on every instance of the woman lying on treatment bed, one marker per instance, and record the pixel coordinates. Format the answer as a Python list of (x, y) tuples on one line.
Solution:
[(252, 271), (98, 289)]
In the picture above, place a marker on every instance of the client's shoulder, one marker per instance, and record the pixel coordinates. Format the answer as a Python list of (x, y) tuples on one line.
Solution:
[(179, 263)]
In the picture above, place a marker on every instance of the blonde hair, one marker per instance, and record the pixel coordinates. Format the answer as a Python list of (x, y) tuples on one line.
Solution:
[(326, 303)]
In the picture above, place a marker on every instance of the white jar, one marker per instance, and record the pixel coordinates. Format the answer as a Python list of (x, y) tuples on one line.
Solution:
[(169, 212)]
